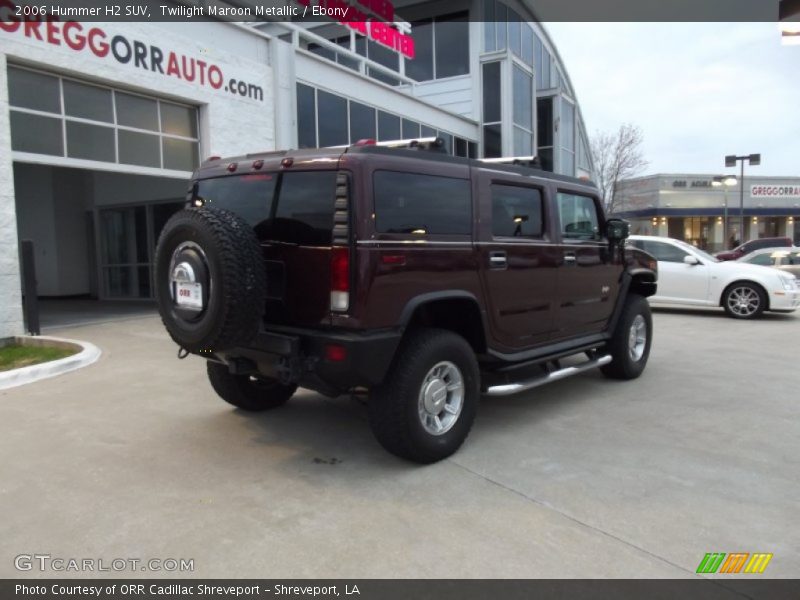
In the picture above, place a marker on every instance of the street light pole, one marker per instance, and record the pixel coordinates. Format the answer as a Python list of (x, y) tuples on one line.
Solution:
[(725, 181), (730, 161)]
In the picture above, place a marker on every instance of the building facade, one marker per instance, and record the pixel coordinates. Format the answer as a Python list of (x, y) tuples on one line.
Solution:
[(708, 213), (101, 124)]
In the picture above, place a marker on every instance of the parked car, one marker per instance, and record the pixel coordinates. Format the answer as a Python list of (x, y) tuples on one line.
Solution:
[(748, 247), (688, 275), (785, 259), (421, 278)]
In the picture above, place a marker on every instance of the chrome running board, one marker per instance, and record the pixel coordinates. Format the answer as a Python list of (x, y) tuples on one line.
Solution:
[(508, 389)]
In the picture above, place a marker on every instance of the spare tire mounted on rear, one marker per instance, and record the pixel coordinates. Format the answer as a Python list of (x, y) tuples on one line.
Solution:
[(210, 280)]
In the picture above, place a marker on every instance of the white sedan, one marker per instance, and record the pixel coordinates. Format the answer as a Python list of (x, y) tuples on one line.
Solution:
[(687, 275)]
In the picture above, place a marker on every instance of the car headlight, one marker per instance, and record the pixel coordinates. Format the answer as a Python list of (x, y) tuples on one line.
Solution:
[(789, 283)]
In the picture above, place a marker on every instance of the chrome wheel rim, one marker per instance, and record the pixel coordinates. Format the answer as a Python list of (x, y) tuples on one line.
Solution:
[(637, 338), (743, 301), (441, 398)]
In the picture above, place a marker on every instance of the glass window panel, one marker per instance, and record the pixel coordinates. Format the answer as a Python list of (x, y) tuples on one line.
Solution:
[(578, 217), (383, 56), (410, 129), (88, 102), (36, 91), (489, 31), (516, 211), (555, 79), (537, 72), (34, 133), (421, 204), (135, 111), (492, 141), (523, 142), (179, 154), (388, 126), (306, 117), (460, 147), (523, 98), (421, 66), (321, 51), (448, 141), (491, 92), (545, 68), (92, 142), (514, 33), (472, 148), (527, 44), (332, 120), (567, 125), (178, 120), (546, 157), (305, 208), (362, 122), (501, 14), (427, 131), (139, 148), (452, 46), (544, 122), (567, 162)]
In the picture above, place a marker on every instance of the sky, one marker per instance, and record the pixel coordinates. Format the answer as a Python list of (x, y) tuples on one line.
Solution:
[(699, 91)]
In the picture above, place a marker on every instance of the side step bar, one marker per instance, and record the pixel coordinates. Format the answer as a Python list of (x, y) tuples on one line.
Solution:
[(522, 386)]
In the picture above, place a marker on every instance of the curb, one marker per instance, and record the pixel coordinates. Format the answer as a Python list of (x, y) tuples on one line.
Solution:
[(88, 354)]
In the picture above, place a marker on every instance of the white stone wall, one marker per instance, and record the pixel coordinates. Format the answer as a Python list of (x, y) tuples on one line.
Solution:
[(10, 295)]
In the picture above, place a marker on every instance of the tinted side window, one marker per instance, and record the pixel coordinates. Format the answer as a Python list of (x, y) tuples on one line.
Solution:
[(304, 211), (578, 217), (665, 252), (516, 211), (421, 204), (249, 196)]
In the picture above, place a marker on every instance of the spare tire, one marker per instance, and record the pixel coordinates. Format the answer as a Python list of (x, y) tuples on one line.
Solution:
[(210, 280)]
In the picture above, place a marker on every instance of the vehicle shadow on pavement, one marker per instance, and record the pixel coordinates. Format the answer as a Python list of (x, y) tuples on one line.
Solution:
[(718, 313)]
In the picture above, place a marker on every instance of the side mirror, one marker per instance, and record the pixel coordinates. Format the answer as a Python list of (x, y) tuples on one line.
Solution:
[(691, 260), (617, 230)]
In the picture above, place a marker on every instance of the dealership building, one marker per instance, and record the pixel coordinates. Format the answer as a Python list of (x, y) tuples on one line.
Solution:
[(101, 123), (709, 210)]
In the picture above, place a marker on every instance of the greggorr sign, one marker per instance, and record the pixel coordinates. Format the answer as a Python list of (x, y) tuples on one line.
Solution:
[(775, 191), (354, 18), (88, 38)]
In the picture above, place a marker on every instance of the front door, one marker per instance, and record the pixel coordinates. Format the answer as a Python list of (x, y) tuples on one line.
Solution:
[(588, 270)]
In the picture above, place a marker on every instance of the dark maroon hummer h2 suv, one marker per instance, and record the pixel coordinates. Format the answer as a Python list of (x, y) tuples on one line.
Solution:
[(422, 279)]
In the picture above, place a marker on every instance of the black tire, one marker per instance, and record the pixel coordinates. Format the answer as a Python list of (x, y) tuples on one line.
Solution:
[(227, 260), (628, 360), (744, 300), (246, 392), (395, 407)]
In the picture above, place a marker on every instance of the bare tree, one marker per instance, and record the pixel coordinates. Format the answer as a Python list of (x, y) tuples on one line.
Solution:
[(617, 156)]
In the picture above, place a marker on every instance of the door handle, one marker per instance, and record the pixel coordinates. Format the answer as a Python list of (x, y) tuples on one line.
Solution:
[(498, 260), (570, 258)]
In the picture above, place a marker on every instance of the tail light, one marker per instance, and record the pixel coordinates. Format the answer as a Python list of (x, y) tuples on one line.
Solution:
[(340, 279)]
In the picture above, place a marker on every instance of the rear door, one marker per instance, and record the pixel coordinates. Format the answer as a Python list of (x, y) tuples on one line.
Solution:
[(588, 271), (517, 260)]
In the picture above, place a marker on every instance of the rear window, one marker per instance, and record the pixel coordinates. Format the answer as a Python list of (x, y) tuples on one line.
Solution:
[(302, 212), (421, 204)]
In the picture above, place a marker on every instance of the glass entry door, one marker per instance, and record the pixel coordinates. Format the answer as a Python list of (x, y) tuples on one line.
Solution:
[(127, 240)]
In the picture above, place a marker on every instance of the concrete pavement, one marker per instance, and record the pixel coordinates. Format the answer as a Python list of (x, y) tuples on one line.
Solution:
[(135, 457)]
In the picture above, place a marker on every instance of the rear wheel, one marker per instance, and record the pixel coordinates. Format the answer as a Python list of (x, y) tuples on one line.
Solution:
[(426, 406), (743, 300), (246, 391), (630, 345)]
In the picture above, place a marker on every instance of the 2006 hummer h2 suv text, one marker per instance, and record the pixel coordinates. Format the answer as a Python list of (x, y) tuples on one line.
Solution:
[(423, 279)]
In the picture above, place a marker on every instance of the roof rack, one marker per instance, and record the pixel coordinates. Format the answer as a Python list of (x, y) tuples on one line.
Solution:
[(433, 144), (525, 161)]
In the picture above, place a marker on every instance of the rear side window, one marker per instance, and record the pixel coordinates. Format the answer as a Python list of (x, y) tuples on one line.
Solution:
[(421, 204), (249, 196), (578, 217), (516, 211)]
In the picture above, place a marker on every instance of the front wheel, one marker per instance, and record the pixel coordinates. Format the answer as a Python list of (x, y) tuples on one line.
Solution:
[(744, 300), (246, 391), (425, 408), (630, 345)]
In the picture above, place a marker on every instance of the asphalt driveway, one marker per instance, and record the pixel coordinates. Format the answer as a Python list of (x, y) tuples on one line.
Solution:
[(135, 457)]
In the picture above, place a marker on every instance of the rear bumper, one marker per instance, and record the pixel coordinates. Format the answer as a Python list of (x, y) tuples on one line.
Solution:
[(328, 361)]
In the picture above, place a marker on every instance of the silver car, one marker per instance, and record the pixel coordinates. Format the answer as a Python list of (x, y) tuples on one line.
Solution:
[(786, 259)]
